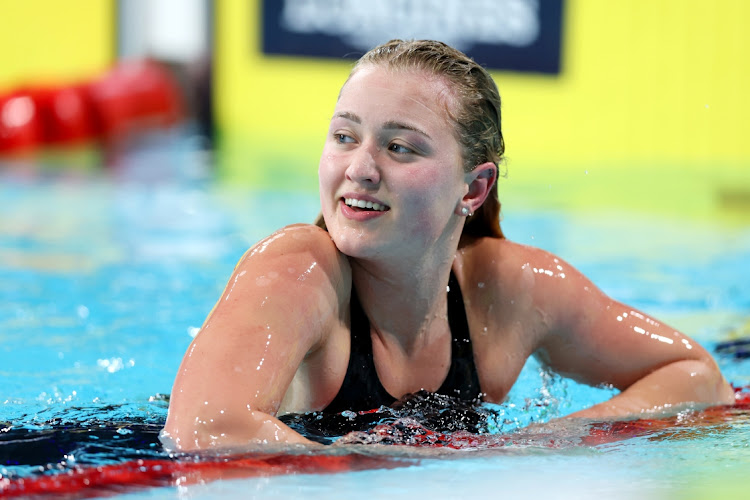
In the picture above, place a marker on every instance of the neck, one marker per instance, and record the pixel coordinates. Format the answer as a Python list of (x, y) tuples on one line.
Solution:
[(404, 300)]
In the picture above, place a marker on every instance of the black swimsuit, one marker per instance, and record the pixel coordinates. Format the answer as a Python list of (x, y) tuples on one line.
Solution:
[(362, 390)]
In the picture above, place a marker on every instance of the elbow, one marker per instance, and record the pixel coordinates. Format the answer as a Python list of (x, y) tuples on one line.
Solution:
[(184, 435), (191, 433), (708, 385), (220, 431)]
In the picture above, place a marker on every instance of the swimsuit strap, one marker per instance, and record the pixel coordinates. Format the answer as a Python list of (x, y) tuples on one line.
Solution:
[(362, 389), (462, 380)]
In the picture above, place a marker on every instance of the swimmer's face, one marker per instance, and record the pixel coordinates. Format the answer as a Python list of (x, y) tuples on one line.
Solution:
[(391, 147)]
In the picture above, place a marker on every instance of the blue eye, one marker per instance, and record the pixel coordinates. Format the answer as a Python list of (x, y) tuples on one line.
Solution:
[(398, 148), (343, 138)]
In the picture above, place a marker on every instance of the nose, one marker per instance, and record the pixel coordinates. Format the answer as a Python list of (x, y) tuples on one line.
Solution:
[(363, 167)]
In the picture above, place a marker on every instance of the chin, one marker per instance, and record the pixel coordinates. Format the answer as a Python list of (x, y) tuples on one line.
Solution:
[(349, 248), (354, 244)]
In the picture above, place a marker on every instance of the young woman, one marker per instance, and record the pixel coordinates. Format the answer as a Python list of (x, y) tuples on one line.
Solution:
[(407, 282)]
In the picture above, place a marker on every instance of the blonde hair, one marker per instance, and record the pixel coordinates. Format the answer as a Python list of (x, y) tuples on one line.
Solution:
[(476, 112)]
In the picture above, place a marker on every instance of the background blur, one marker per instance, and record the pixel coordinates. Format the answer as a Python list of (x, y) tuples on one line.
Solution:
[(647, 112)]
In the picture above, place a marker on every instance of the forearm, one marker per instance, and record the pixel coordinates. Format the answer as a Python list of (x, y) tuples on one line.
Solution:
[(687, 381), (255, 429)]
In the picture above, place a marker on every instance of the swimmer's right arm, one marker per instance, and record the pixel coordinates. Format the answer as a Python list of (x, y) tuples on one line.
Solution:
[(276, 309)]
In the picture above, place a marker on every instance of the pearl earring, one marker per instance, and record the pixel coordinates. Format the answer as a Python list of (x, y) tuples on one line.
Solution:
[(464, 211)]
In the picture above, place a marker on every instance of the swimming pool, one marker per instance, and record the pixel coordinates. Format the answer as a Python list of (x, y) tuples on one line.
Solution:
[(105, 278)]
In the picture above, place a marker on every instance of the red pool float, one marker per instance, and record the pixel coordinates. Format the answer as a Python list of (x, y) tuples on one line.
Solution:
[(135, 96), (66, 115), (21, 127)]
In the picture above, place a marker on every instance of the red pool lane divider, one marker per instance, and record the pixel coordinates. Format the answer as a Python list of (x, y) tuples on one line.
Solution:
[(411, 433), (742, 395), (609, 432), (87, 482)]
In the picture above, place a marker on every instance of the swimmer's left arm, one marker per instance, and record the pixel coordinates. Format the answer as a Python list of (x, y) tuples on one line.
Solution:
[(668, 387), (597, 340)]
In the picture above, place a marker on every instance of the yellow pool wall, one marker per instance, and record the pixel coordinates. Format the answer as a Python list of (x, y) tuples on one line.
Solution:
[(52, 42), (649, 111)]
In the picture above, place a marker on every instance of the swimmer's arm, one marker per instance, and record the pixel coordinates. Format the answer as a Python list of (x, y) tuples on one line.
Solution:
[(274, 312), (237, 431), (597, 340), (667, 389)]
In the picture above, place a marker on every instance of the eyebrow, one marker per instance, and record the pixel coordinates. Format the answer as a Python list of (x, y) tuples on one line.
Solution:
[(389, 125), (348, 116)]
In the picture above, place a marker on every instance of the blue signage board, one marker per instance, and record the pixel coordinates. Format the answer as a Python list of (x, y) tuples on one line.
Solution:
[(516, 35)]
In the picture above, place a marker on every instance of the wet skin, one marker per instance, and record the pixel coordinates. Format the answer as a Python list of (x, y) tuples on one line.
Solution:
[(278, 338)]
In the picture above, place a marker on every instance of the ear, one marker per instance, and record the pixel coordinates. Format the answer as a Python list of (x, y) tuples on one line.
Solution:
[(480, 182)]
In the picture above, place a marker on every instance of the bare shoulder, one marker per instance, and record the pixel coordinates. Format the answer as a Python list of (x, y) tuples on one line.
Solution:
[(294, 277), (524, 289), (298, 257), (304, 242), (521, 270)]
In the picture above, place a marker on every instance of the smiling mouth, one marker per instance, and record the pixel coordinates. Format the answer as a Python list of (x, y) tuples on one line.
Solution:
[(362, 205)]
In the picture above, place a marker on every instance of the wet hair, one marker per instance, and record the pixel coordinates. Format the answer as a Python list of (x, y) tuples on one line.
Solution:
[(475, 112)]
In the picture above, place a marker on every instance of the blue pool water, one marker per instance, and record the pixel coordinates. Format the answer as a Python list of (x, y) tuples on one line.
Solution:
[(104, 279)]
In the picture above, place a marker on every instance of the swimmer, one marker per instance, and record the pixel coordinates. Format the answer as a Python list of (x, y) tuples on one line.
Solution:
[(407, 283)]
